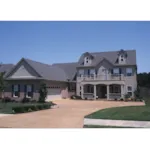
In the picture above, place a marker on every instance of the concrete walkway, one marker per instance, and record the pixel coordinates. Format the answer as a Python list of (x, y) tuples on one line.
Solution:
[(4, 115), (118, 123)]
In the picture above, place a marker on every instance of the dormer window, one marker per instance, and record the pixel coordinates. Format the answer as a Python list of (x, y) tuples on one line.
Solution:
[(88, 58), (122, 55)]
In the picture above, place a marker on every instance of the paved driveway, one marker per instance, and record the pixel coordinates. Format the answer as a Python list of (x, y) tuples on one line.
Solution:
[(70, 114)]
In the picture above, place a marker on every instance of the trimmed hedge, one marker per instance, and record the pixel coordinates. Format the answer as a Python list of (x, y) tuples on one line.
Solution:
[(31, 107)]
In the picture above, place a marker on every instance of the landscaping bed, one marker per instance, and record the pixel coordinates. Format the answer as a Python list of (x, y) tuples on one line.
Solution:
[(23, 106)]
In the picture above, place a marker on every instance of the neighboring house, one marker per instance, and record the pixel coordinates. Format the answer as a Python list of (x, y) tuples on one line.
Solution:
[(96, 75)]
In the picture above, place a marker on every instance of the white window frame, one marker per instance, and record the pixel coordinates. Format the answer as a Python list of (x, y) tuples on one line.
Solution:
[(15, 90), (129, 71), (28, 91)]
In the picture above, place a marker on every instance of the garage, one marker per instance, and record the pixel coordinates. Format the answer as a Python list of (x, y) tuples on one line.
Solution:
[(53, 93)]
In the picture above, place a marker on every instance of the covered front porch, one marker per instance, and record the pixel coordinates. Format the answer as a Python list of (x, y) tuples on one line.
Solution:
[(102, 91)]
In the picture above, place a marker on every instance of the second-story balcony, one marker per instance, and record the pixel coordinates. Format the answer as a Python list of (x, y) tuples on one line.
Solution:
[(107, 77)]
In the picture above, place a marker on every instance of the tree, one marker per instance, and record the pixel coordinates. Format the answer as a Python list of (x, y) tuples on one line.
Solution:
[(2, 84), (43, 93)]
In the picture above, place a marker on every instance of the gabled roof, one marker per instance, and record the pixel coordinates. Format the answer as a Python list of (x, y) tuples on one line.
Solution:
[(111, 56), (46, 71), (6, 68), (69, 68)]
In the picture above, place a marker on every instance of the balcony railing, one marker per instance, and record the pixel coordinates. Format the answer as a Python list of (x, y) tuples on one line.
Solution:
[(110, 77)]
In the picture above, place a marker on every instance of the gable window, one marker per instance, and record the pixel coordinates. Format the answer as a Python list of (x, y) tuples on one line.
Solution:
[(29, 91), (15, 90), (129, 71)]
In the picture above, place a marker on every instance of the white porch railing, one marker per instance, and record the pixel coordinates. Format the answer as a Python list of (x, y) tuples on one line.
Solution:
[(110, 77)]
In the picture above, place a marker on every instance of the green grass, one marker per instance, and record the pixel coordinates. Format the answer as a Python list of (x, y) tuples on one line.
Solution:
[(136, 113), (96, 126)]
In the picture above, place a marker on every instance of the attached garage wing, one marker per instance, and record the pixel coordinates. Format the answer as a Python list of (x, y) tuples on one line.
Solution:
[(53, 94)]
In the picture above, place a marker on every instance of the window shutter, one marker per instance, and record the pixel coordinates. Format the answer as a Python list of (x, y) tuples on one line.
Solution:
[(18, 90), (112, 71), (120, 71), (32, 89), (12, 90), (25, 90)]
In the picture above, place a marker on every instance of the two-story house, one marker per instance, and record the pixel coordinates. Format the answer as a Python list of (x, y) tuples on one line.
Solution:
[(107, 74), (95, 75)]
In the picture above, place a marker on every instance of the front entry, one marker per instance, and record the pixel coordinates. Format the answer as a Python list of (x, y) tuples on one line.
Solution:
[(104, 91), (101, 91)]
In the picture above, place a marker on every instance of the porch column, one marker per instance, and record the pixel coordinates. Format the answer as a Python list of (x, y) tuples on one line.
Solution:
[(95, 92), (107, 92), (122, 91), (82, 91)]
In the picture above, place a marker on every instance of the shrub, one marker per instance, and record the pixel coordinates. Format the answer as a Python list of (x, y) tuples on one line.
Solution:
[(34, 107), (18, 109), (29, 108), (26, 100), (6, 100), (147, 101), (33, 101), (40, 107), (43, 93), (75, 97)]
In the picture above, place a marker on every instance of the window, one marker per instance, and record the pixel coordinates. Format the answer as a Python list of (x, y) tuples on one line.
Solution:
[(15, 90), (29, 92), (80, 93), (122, 59), (129, 90), (81, 72), (116, 89), (116, 71), (129, 71), (72, 87), (90, 89)]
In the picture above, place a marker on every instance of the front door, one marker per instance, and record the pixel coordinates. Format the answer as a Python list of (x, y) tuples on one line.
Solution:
[(103, 91)]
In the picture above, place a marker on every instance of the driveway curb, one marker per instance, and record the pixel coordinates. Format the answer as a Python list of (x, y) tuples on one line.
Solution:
[(118, 123)]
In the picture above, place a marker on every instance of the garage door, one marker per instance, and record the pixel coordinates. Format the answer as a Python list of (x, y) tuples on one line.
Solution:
[(53, 94)]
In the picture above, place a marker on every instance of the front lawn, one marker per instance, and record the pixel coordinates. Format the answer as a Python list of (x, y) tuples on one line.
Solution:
[(136, 113)]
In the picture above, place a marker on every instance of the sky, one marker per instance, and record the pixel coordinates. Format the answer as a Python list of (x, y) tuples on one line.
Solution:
[(59, 42)]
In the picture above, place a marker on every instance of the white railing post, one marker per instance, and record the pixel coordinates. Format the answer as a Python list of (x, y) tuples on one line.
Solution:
[(82, 91), (94, 76), (95, 92), (107, 92)]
